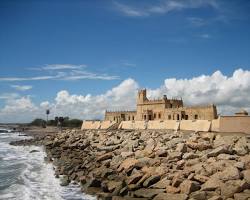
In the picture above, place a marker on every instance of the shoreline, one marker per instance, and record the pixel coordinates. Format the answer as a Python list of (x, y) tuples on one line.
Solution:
[(26, 175), (144, 164)]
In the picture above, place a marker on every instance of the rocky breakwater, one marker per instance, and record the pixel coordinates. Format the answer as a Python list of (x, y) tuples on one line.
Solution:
[(155, 165)]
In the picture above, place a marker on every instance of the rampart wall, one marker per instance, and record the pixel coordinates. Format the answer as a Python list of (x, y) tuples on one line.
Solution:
[(226, 124)]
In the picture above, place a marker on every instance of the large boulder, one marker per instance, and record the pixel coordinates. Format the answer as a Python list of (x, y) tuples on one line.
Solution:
[(189, 155), (105, 156), (133, 179), (188, 186), (219, 150), (211, 185), (231, 187), (168, 196), (127, 164), (246, 175), (151, 180), (229, 173), (242, 196), (163, 183), (241, 147), (147, 193)]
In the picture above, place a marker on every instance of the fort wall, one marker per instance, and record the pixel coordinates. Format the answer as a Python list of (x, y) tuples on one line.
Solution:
[(226, 124), (234, 124), (195, 125), (91, 125)]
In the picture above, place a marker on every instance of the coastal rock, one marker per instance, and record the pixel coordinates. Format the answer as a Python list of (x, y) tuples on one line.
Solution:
[(34, 151), (190, 155), (229, 173), (147, 193), (242, 196), (246, 175), (64, 181), (198, 195), (188, 186), (168, 196), (211, 184), (146, 164), (218, 150), (127, 164), (133, 179), (229, 188), (151, 180), (172, 189), (163, 183), (174, 155), (104, 157)]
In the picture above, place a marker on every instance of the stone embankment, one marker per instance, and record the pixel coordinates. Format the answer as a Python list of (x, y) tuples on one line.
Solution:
[(155, 165)]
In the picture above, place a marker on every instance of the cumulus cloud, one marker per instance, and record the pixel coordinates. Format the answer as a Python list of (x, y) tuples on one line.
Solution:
[(22, 87), (72, 105), (229, 93)]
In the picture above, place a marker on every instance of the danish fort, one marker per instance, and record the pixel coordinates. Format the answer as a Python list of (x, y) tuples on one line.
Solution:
[(171, 114)]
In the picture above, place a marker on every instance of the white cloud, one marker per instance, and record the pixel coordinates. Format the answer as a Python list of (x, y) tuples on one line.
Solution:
[(73, 72), (80, 74), (163, 7), (229, 93), (197, 21), (45, 104), (72, 105), (129, 64), (6, 96), (130, 11), (22, 87), (35, 78), (62, 66), (205, 36)]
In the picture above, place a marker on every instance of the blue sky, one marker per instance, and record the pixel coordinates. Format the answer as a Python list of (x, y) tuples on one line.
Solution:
[(90, 47)]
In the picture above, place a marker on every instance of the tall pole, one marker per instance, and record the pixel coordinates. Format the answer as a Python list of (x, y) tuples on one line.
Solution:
[(47, 113)]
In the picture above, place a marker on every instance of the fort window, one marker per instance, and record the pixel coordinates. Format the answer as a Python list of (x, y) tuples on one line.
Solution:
[(186, 117), (169, 116), (145, 117), (159, 115), (178, 117), (114, 118), (133, 118), (171, 105), (195, 116), (154, 115)]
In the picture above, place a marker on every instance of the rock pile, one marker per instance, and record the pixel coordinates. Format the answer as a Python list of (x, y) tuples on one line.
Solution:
[(157, 165)]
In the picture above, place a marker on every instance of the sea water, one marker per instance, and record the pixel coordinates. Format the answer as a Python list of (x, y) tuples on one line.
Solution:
[(26, 176)]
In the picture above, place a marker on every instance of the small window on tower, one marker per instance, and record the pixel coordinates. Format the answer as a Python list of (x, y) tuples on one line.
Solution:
[(159, 115)]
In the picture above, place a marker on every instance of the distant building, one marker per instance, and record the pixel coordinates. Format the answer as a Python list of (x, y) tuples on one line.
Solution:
[(162, 109)]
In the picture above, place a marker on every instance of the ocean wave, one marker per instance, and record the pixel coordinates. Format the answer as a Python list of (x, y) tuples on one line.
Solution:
[(26, 176)]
